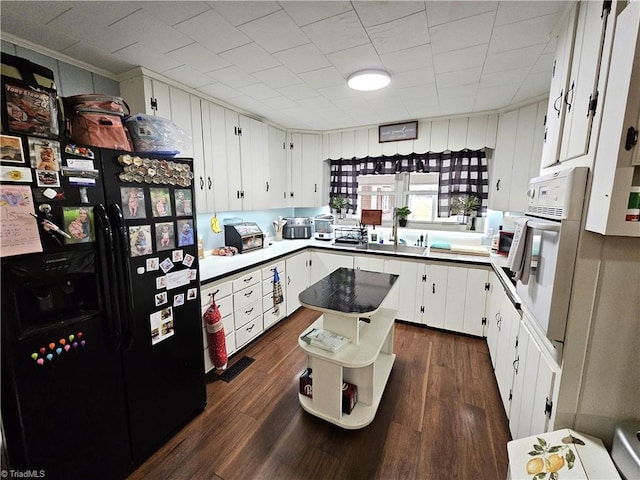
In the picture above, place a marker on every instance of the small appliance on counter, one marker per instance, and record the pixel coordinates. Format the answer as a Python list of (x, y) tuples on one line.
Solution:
[(245, 236), (323, 227), (296, 228)]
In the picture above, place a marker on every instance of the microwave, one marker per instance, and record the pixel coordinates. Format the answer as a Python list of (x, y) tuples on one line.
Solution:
[(504, 242)]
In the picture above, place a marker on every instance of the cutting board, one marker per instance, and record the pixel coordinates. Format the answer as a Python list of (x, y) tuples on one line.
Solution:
[(478, 250)]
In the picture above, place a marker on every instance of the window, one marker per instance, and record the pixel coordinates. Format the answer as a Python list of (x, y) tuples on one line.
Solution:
[(377, 192), (423, 197)]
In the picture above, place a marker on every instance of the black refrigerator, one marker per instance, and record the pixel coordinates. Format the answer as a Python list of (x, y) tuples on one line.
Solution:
[(102, 340)]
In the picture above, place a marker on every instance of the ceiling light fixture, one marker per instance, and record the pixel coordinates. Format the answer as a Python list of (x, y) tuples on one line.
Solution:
[(367, 80)]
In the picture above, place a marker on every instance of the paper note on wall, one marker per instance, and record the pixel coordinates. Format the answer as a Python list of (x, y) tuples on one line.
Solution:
[(19, 232)]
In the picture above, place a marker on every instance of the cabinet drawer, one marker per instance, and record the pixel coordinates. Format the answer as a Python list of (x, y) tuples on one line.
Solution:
[(246, 296), (267, 302), (225, 305), (267, 272), (246, 280), (248, 332), (267, 284), (220, 290), (272, 316), (247, 313), (231, 342)]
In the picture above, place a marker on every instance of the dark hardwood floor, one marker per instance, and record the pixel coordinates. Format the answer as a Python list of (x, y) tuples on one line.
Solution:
[(440, 418)]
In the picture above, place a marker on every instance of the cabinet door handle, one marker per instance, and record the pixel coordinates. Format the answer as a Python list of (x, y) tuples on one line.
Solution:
[(201, 183), (556, 107), (238, 194), (498, 185), (249, 311), (267, 186), (566, 96), (247, 280), (516, 364), (315, 188), (251, 327), (288, 280), (209, 182), (433, 288)]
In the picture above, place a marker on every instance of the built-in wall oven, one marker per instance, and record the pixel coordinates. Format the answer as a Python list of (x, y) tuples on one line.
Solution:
[(549, 233)]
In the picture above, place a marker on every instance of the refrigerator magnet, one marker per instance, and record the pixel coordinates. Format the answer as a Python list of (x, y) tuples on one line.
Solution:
[(165, 236), (153, 264), (188, 260), (166, 265), (79, 151), (193, 274), (11, 149), (78, 223), (161, 298), (15, 174), (176, 256), (183, 201), (46, 178), (133, 205), (185, 233), (140, 240), (178, 300), (161, 282), (192, 294), (45, 154), (161, 325), (160, 202)]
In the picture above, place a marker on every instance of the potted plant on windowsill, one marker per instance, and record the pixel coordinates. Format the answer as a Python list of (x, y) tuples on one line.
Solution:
[(403, 213), (465, 207), (338, 203)]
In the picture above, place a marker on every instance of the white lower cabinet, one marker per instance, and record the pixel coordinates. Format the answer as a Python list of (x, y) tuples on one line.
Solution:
[(533, 387), (247, 306), (507, 326), (407, 299), (222, 292), (322, 264), (272, 313), (298, 270)]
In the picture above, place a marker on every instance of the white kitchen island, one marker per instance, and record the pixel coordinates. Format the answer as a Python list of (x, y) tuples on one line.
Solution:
[(353, 305)]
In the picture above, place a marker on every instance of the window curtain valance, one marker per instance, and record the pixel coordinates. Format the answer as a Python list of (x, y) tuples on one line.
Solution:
[(460, 173)]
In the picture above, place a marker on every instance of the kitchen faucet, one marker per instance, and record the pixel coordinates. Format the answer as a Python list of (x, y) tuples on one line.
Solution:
[(394, 228)]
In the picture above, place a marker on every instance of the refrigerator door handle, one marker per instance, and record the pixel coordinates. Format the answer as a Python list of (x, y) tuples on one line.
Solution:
[(104, 241), (122, 253)]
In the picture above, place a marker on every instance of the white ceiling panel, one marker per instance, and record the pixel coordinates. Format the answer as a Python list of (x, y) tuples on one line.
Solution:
[(287, 61)]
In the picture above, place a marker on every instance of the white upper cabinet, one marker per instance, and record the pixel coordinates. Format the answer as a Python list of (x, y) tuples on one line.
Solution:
[(573, 98), (305, 170), (276, 176), (516, 158), (617, 165)]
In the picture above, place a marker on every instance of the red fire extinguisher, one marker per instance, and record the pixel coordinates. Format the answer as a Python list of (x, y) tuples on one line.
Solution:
[(215, 332)]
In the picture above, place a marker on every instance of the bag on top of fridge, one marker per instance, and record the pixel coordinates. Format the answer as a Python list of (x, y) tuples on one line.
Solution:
[(29, 98), (97, 120), (159, 135)]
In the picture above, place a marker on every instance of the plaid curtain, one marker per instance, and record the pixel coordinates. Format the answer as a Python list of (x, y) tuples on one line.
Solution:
[(461, 173)]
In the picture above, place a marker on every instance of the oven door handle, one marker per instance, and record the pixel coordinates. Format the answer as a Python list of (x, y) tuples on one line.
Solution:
[(544, 226)]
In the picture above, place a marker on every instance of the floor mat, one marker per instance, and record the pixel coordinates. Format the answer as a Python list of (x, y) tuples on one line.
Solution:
[(234, 370)]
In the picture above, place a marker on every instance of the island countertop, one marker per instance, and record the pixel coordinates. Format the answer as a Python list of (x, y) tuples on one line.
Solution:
[(349, 292)]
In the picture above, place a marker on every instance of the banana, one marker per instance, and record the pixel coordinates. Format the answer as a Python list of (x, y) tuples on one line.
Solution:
[(215, 226)]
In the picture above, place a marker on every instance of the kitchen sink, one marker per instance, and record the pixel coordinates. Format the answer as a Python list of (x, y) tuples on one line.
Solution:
[(389, 247)]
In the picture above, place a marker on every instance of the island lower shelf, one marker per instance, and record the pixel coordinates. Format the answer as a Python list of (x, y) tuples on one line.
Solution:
[(366, 364)]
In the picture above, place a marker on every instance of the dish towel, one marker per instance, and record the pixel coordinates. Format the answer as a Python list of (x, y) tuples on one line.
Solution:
[(519, 259), (278, 298)]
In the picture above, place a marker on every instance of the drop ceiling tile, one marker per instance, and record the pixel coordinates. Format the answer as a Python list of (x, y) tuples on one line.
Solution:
[(304, 58), (155, 62), (304, 13), (493, 98), (314, 103), (188, 76), (250, 58), (29, 13), (408, 59), (199, 58), (233, 77), (323, 77), (92, 56), (504, 77), (399, 34), (277, 77), (298, 92), (167, 12), (467, 92), (275, 32), (522, 34), (281, 102), (535, 85), (439, 13), (543, 64), (460, 59), (354, 59), (219, 39), (376, 12), (464, 33), (469, 76), (510, 12), (240, 12), (415, 93), (85, 16), (413, 78), (522, 57), (338, 92), (220, 91), (259, 91), (337, 33)]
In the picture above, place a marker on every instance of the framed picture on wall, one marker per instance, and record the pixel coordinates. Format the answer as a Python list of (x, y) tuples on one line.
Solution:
[(398, 131)]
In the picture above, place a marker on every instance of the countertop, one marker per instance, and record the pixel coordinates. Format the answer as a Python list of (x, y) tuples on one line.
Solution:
[(214, 267)]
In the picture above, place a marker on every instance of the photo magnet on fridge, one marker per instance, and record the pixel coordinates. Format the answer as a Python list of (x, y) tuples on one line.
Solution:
[(45, 154), (160, 202), (78, 222), (140, 240), (165, 237), (11, 149), (132, 202)]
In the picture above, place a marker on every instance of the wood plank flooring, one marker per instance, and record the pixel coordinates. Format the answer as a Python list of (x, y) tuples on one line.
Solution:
[(441, 418)]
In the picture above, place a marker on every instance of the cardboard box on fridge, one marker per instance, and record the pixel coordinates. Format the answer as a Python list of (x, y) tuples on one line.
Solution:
[(349, 391)]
